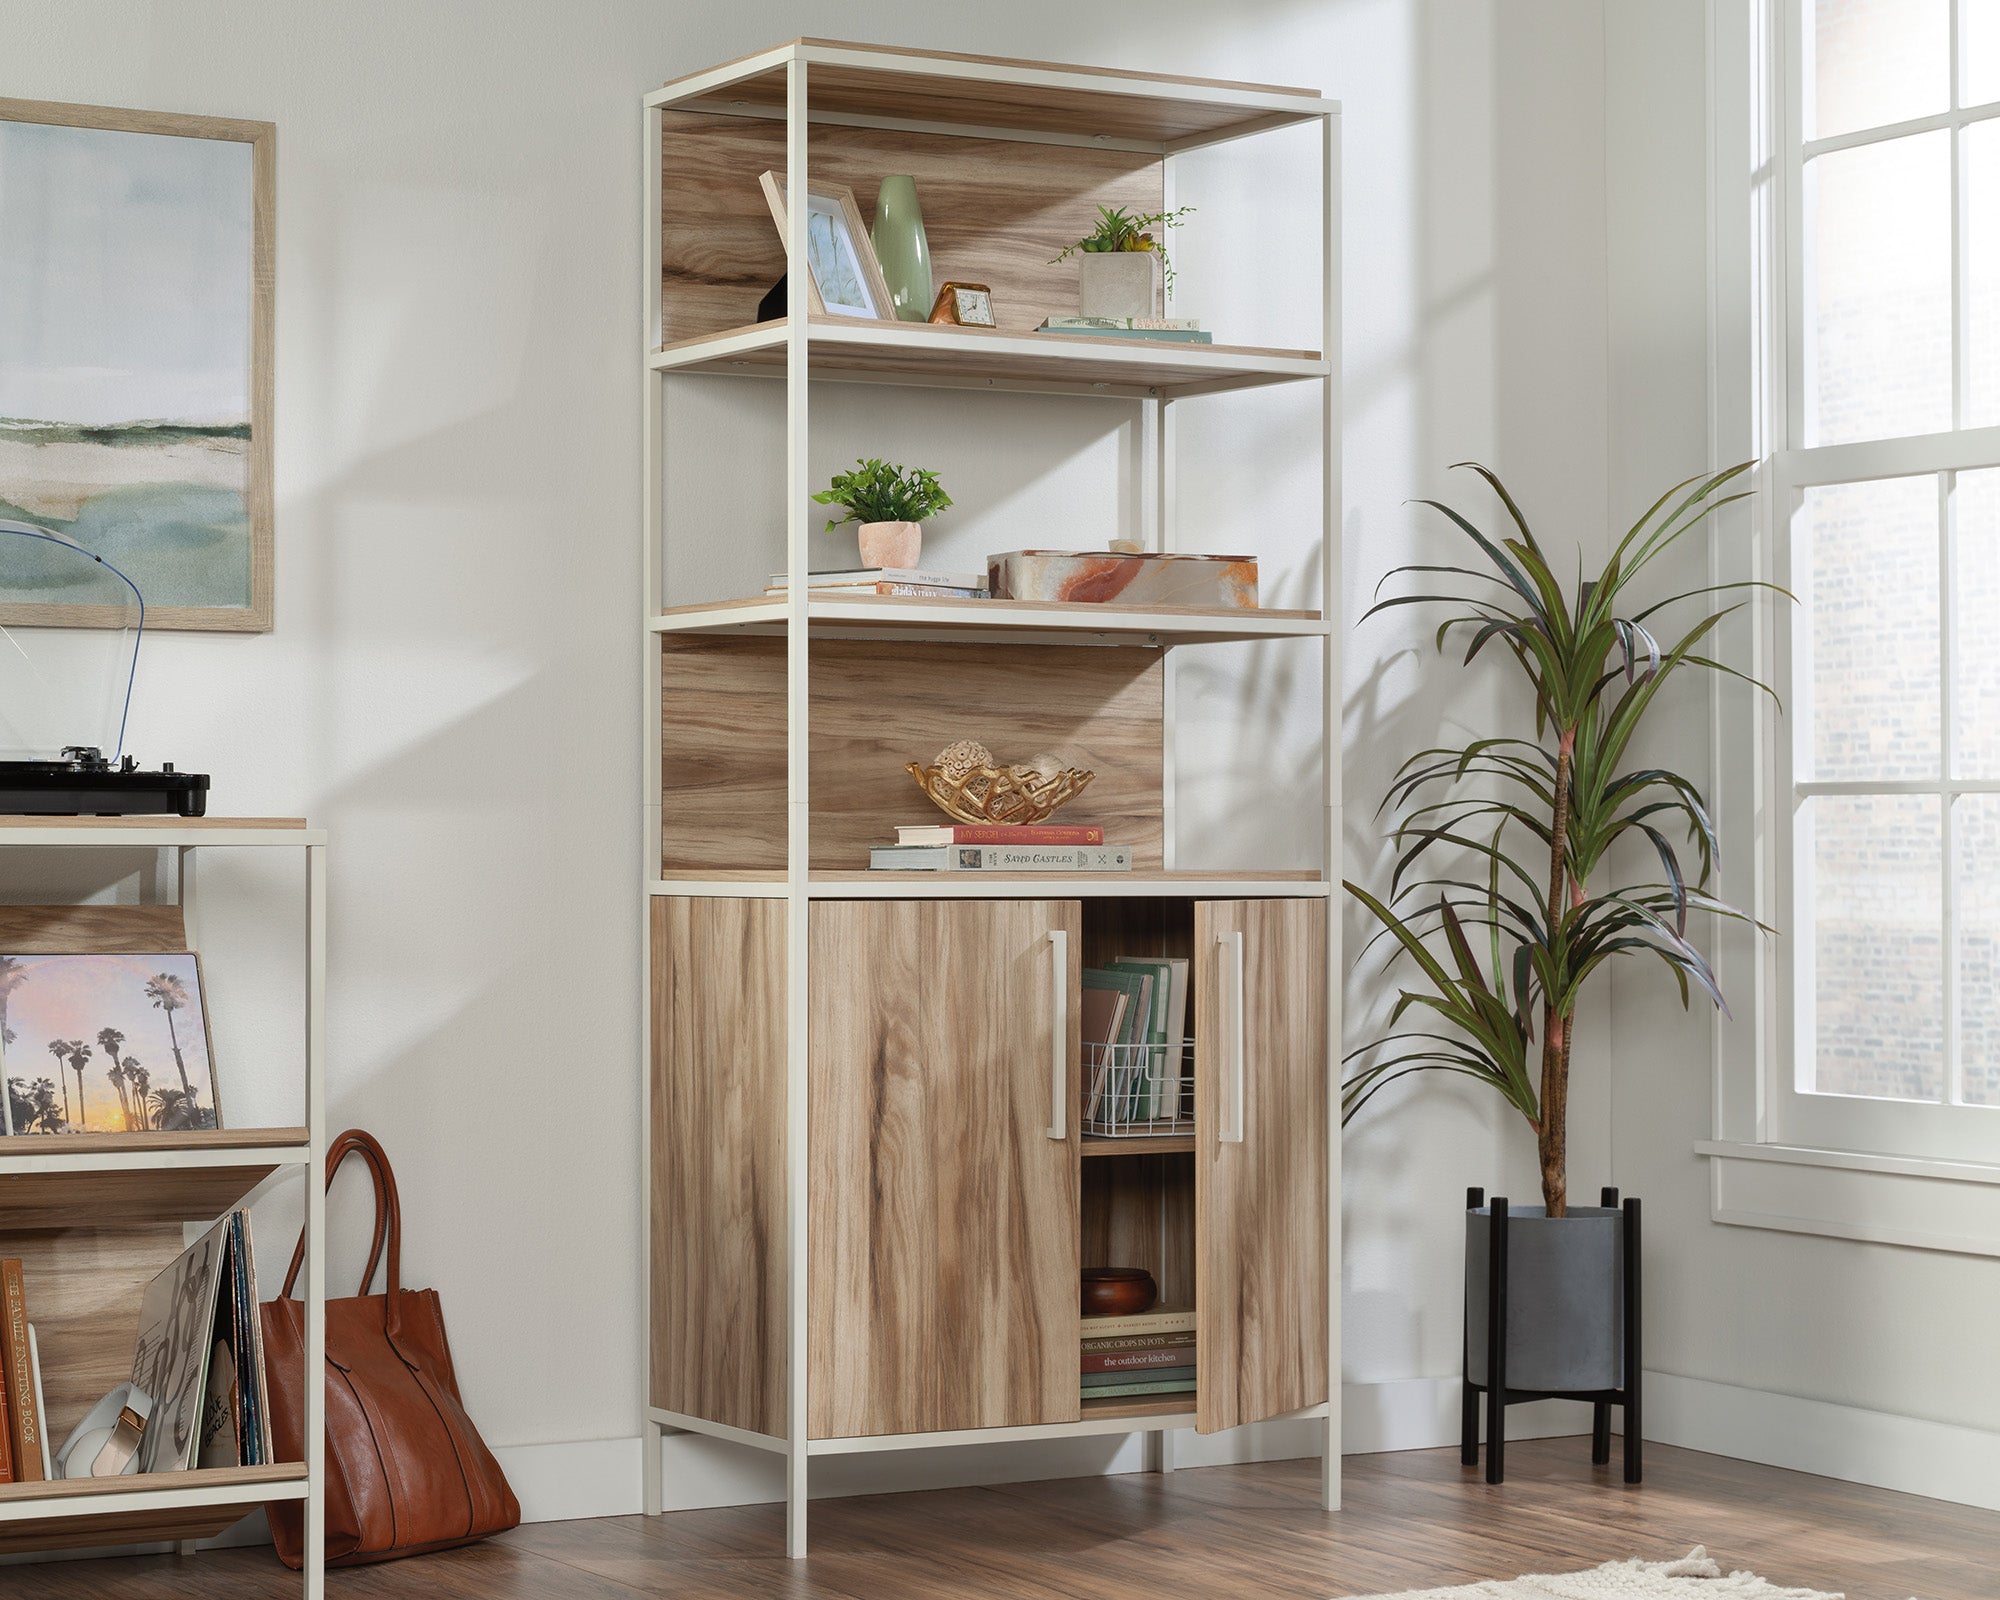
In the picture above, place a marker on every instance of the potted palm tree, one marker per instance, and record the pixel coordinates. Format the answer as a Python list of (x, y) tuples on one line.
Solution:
[(1505, 902)]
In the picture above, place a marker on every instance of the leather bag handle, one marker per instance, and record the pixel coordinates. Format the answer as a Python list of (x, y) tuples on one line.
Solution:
[(388, 1216)]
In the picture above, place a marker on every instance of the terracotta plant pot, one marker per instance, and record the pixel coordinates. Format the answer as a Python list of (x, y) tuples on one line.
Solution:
[(891, 544)]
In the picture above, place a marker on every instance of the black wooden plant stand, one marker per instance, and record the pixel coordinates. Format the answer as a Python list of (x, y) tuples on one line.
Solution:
[(1496, 1393)]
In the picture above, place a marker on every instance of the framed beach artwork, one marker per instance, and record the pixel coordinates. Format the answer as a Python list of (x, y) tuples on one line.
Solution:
[(136, 268), (105, 1043)]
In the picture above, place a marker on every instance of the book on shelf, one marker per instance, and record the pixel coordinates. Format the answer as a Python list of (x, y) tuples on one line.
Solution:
[(893, 586), (1161, 1319), (1160, 335), (1001, 833), (1116, 1391), (1099, 1382), (1120, 1086), (1146, 1363), (23, 1416), (41, 1404), (999, 858), (850, 576), (1118, 324), (1168, 1030), (1111, 1344)]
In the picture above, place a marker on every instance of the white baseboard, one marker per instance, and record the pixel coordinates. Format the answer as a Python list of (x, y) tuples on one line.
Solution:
[(1939, 1460), (600, 1477)]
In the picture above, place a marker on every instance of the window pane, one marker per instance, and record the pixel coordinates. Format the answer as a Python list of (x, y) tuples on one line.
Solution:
[(1981, 186), (1869, 558), (1878, 289), (1975, 824), (1975, 593), (1876, 61), (1878, 968), (1978, 52)]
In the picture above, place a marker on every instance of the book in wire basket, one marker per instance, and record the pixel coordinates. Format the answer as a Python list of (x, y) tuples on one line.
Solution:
[(1136, 1091)]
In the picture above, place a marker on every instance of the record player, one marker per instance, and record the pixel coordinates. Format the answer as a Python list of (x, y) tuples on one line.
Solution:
[(83, 784), (58, 685)]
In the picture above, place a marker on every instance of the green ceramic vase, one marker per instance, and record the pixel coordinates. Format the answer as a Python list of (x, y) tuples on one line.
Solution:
[(901, 247)]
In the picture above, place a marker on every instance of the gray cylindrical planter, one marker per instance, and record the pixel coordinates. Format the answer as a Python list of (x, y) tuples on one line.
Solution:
[(1565, 1298), (1552, 1308)]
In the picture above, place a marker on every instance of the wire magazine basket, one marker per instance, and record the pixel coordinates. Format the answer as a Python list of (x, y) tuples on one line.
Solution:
[(1134, 1091)]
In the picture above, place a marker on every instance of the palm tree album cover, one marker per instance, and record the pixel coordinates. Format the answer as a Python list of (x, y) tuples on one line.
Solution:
[(105, 1043)]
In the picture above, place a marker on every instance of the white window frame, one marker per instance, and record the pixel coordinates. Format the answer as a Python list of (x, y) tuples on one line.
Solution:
[(1899, 1172)]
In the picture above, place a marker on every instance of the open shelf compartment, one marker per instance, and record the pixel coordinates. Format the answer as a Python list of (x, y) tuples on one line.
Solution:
[(85, 1513), (108, 1179)]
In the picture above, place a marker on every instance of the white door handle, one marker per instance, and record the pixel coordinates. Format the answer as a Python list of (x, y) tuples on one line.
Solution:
[(1059, 1036), (1231, 1129)]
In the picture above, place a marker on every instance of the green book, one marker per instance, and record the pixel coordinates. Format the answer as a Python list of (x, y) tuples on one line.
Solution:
[(1170, 1386)]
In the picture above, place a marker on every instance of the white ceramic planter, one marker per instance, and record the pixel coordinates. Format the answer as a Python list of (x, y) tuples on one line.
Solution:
[(1120, 283), (891, 544)]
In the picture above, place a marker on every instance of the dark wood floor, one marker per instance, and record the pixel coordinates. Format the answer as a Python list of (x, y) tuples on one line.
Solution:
[(1411, 1520)]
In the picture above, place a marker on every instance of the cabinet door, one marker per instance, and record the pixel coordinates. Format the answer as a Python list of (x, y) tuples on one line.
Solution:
[(1261, 1077), (944, 1165)]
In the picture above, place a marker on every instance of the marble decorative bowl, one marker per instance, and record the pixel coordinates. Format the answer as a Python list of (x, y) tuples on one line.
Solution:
[(1000, 794)]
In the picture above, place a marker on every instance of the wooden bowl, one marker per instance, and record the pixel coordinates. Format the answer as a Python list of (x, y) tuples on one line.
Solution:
[(1118, 1291)]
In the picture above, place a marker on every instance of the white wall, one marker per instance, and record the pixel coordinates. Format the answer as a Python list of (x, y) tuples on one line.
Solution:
[(1899, 1338), (452, 683)]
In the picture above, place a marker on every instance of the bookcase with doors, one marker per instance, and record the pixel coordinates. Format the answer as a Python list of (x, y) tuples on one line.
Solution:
[(869, 1193)]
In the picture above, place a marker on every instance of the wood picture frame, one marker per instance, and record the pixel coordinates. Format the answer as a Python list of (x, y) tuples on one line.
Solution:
[(250, 554), (836, 202)]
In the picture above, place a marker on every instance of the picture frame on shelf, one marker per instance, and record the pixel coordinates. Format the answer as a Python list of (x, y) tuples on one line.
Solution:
[(844, 278), (130, 1027)]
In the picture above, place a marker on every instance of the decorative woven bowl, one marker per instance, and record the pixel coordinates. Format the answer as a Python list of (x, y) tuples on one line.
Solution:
[(1000, 794)]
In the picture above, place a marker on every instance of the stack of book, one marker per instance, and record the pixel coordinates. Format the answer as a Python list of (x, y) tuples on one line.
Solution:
[(1150, 1352), (1135, 1012), (1173, 330), (24, 1442), (890, 580), (995, 847)]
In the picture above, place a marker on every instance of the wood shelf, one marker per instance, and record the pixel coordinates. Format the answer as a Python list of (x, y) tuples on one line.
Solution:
[(151, 1508), (1139, 1405), (158, 833), (1151, 1144), (864, 884), (124, 1179), (997, 621), (866, 350), (1157, 111)]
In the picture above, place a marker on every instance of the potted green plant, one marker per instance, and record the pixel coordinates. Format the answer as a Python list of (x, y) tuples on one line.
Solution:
[(1122, 270), (890, 503), (1505, 902)]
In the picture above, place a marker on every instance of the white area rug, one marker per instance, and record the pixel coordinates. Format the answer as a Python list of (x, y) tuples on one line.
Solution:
[(1693, 1577)]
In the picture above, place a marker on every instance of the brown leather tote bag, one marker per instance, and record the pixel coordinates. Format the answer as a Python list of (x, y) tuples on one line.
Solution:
[(406, 1471)]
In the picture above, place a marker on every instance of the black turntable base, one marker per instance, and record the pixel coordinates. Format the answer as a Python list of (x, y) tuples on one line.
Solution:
[(84, 784)]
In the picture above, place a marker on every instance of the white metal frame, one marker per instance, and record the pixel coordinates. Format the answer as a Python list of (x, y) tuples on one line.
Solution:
[(799, 617), (184, 845), (1777, 1108)]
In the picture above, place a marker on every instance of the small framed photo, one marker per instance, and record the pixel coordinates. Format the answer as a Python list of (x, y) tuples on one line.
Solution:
[(105, 1043), (844, 278), (964, 305)]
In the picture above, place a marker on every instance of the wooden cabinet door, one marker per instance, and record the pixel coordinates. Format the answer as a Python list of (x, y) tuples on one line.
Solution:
[(1261, 1077), (944, 1165)]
